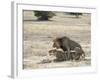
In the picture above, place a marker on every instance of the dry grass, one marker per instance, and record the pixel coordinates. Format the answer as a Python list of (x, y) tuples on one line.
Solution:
[(38, 36)]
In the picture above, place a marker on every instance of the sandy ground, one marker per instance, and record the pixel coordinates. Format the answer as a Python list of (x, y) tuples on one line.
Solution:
[(38, 37)]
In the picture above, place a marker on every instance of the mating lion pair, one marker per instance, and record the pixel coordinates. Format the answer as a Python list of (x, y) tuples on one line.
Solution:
[(66, 49)]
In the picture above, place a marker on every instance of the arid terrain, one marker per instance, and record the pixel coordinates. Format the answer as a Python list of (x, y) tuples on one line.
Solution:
[(38, 39)]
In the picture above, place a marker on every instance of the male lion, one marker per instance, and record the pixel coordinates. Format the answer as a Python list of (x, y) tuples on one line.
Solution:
[(68, 45)]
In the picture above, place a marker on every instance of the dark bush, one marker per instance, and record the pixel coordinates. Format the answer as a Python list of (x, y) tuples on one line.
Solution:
[(44, 15), (76, 14)]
